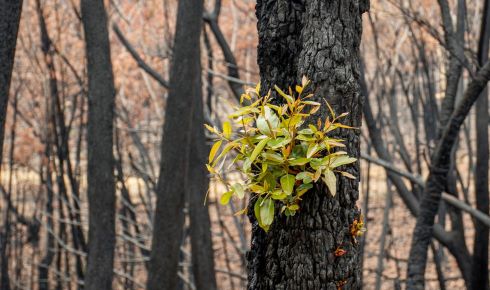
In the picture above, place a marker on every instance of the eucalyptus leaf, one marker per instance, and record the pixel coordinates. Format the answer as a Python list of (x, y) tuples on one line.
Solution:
[(331, 181), (267, 212), (287, 183)]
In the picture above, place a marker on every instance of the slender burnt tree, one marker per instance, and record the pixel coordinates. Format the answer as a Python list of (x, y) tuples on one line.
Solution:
[(319, 40), (9, 26), (479, 267), (101, 187), (10, 11), (185, 86)]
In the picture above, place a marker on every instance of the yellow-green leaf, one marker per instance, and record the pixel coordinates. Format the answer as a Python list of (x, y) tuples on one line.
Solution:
[(225, 198), (299, 89), (284, 95), (256, 188), (214, 150), (225, 150), (331, 181), (257, 209), (210, 129), (273, 157), (287, 183), (312, 103), (298, 161), (239, 190), (267, 212), (341, 160), (306, 176), (339, 125), (260, 146), (312, 150), (348, 175), (227, 129), (210, 169)]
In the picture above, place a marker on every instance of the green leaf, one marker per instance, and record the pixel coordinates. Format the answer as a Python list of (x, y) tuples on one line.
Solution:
[(225, 150), (225, 198), (267, 212), (273, 157), (280, 196), (268, 121), (305, 138), (227, 129), (278, 142), (256, 188), (288, 98), (257, 210), (341, 160), (298, 161), (247, 164), (307, 177), (312, 103), (313, 149), (331, 181), (260, 146), (239, 190), (294, 121), (306, 131), (214, 150), (287, 183), (244, 111), (263, 126), (315, 163)]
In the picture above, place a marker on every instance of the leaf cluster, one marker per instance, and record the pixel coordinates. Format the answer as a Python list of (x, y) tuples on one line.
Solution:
[(280, 153)]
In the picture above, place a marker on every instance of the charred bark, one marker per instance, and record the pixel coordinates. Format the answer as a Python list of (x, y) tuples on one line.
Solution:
[(10, 11), (197, 180), (437, 180), (101, 183), (185, 84), (479, 266), (320, 40)]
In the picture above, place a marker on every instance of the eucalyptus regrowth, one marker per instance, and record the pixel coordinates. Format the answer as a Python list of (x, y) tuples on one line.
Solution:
[(279, 152)]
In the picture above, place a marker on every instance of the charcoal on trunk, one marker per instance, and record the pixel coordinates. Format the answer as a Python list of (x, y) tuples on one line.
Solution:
[(318, 39), (101, 183)]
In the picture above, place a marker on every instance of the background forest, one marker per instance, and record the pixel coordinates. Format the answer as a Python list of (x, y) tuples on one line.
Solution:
[(418, 60)]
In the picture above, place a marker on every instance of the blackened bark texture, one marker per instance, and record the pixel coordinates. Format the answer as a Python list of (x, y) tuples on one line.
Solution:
[(437, 180), (479, 266), (10, 11), (185, 81), (318, 39), (101, 183)]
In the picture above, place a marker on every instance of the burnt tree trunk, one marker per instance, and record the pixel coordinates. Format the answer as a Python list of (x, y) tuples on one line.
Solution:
[(479, 265), (9, 26), (318, 39), (101, 183), (197, 185), (185, 85)]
